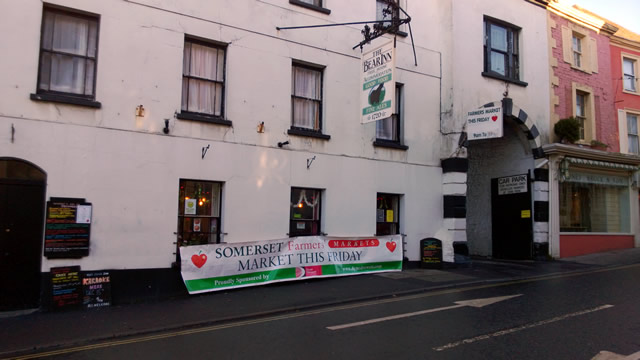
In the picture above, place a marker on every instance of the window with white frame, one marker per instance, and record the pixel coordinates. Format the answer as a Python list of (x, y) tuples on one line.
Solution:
[(576, 47), (306, 97), (501, 50), (203, 73), (581, 112), (632, 133), (579, 48), (629, 74), (68, 53)]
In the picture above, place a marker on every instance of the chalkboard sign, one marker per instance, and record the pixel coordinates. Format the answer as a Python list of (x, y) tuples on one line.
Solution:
[(431, 253), (68, 228), (66, 287), (97, 289)]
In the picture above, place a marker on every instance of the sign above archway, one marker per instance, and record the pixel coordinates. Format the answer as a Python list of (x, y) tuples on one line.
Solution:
[(484, 123)]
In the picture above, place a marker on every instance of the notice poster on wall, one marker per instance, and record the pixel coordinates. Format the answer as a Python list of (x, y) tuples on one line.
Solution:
[(66, 287), (214, 267), (513, 184), (68, 228), (96, 287), (484, 123)]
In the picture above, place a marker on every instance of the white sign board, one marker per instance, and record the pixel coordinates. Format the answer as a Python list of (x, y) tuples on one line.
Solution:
[(512, 184), (484, 123), (214, 267), (378, 93), (190, 206)]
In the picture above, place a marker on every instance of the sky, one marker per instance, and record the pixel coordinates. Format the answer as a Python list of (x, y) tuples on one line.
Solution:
[(622, 12)]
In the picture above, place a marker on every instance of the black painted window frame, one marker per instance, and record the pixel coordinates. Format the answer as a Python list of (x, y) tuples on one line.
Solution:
[(397, 143), (293, 221), (61, 96), (512, 66), (319, 8), (299, 130), (397, 198), (185, 114)]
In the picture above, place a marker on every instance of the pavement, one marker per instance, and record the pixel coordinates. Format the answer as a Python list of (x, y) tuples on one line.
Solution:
[(23, 332)]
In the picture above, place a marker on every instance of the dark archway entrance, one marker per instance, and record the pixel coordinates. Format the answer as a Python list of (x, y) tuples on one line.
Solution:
[(500, 218), (22, 207)]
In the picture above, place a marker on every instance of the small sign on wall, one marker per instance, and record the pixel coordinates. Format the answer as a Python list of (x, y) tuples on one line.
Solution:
[(484, 123), (512, 184)]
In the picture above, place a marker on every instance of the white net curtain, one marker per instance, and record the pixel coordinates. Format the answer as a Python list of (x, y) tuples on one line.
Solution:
[(202, 83)]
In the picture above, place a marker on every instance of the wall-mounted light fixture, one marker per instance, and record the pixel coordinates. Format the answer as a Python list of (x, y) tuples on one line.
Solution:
[(166, 126), (140, 110), (260, 127), (281, 144)]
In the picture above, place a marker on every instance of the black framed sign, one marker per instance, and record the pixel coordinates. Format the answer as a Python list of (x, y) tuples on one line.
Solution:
[(97, 289), (66, 287), (68, 228)]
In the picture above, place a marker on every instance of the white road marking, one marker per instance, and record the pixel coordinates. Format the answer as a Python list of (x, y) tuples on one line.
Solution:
[(478, 303), (519, 328)]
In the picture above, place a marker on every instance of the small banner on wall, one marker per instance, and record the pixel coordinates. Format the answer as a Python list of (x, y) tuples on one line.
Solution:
[(377, 96), (223, 266), (484, 123)]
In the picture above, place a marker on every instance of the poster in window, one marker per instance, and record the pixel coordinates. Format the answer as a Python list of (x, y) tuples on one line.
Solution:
[(389, 215), (196, 225), (380, 215), (189, 206), (300, 225)]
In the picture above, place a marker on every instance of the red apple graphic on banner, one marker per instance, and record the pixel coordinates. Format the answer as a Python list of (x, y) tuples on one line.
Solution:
[(199, 260), (391, 246), (494, 118)]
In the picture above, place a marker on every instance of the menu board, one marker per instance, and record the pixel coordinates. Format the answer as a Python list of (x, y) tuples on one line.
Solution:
[(431, 256), (66, 286), (97, 289), (68, 228)]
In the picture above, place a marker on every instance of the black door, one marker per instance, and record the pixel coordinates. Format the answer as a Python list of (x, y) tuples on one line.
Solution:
[(512, 227), (21, 223)]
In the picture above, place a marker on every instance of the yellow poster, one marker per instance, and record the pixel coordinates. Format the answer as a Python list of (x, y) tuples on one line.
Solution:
[(389, 215), (525, 214)]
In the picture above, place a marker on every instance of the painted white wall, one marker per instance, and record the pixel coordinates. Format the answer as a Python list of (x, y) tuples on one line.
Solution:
[(471, 90), (130, 171)]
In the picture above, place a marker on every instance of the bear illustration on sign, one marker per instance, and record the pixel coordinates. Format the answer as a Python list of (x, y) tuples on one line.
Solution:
[(376, 95)]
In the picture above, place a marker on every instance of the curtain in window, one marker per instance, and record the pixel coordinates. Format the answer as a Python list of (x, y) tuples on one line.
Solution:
[(386, 129), (68, 60), (312, 2), (203, 70), (307, 91), (500, 44)]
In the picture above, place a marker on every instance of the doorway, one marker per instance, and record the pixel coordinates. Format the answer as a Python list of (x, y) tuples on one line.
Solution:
[(22, 207), (512, 226)]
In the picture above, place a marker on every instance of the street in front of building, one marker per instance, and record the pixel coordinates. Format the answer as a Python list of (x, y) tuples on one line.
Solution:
[(562, 315)]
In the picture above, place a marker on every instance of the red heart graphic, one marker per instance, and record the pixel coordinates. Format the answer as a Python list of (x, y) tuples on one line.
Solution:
[(494, 118), (391, 246), (199, 260)]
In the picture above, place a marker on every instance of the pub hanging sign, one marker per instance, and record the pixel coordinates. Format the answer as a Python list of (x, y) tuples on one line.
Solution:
[(68, 228), (377, 95)]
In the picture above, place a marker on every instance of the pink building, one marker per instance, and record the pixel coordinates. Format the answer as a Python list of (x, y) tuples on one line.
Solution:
[(593, 200)]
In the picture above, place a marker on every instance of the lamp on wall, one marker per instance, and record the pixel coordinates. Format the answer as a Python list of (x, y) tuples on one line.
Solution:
[(281, 144), (166, 126)]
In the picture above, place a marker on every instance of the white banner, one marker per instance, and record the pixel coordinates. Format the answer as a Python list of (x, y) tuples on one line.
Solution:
[(484, 123), (221, 266), (378, 93)]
